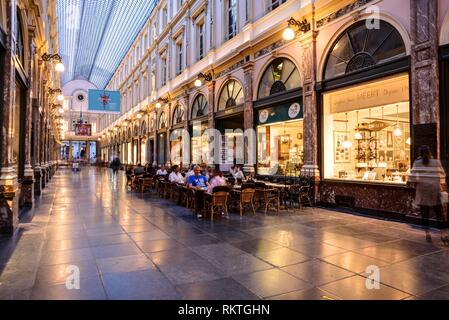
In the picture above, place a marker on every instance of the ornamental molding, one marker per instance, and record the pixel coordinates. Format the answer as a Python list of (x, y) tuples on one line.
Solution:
[(341, 12), (270, 48), (230, 69)]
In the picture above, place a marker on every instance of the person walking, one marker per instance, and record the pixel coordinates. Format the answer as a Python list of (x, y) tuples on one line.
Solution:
[(115, 166), (428, 178)]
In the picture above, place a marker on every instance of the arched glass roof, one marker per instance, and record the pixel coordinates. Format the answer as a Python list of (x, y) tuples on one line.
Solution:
[(94, 36)]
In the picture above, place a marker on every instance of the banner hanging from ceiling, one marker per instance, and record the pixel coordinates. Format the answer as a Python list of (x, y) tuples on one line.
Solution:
[(83, 130), (102, 101)]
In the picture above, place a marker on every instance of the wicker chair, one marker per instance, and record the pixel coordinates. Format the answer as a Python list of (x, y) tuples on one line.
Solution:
[(218, 202), (146, 184), (247, 199), (190, 198), (267, 197)]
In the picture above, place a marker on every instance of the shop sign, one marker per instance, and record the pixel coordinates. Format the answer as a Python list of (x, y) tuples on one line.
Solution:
[(83, 130), (281, 113), (368, 95), (102, 101)]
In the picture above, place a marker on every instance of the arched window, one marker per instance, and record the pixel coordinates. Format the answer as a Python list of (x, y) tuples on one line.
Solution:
[(143, 128), (178, 115), (358, 48), (200, 106), (130, 134), (231, 95), (136, 130), (281, 75), (162, 121)]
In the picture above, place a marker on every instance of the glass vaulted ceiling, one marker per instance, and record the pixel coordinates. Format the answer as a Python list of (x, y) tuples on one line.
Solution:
[(95, 35)]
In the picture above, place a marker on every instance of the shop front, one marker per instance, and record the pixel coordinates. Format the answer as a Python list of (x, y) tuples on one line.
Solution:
[(162, 140), (199, 143), (279, 120), (129, 147), (366, 142), (136, 145), (229, 121), (143, 144), (176, 136), (280, 145)]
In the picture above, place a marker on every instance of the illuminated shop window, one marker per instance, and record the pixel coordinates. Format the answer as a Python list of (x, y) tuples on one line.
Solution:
[(367, 131)]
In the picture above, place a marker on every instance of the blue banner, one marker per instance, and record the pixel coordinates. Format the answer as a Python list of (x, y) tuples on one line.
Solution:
[(104, 101)]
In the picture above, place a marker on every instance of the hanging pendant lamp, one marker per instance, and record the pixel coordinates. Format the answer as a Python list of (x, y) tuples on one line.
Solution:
[(347, 144)]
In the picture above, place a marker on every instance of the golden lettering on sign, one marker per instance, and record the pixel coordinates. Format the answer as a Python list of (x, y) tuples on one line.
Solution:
[(376, 93)]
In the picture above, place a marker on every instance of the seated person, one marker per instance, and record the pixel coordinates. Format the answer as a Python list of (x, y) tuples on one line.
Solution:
[(238, 173), (162, 171), (190, 172), (139, 170), (216, 181), (197, 180), (176, 176)]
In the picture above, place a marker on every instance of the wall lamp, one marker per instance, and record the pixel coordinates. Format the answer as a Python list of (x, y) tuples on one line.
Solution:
[(57, 106), (60, 96), (160, 101), (59, 67), (201, 76), (301, 26)]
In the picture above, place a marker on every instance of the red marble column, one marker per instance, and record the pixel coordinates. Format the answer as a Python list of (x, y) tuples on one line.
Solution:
[(424, 75), (8, 177), (187, 115), (155, 141), (38, 101), (211, 125), (311, 134), (27, 192), (168, 121), (248, 119)]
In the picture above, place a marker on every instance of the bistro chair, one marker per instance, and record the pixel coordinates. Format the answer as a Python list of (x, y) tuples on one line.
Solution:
[(146, 183), (175, 192), (247, 197), (160, 188), (190, 198), (218, 201), (267, 197)]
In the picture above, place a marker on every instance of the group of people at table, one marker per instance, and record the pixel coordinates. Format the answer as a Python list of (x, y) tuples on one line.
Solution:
[(197, 177), (203, 180)]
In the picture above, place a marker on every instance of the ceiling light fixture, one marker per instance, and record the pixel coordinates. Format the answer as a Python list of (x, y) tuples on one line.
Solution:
[(347, 144)]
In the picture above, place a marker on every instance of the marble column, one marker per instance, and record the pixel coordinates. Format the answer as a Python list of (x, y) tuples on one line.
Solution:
[(37, 103), (186, 147), (156, 139), (27, 192), (311, 134), (248, 120), (213, 153), (9, 212), (168, 122), (424, 75)]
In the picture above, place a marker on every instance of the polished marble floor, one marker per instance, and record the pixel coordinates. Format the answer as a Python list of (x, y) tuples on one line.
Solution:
[(129, 246)]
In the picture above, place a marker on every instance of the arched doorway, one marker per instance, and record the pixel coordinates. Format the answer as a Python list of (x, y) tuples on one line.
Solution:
[(279, 120), (229, 120)]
